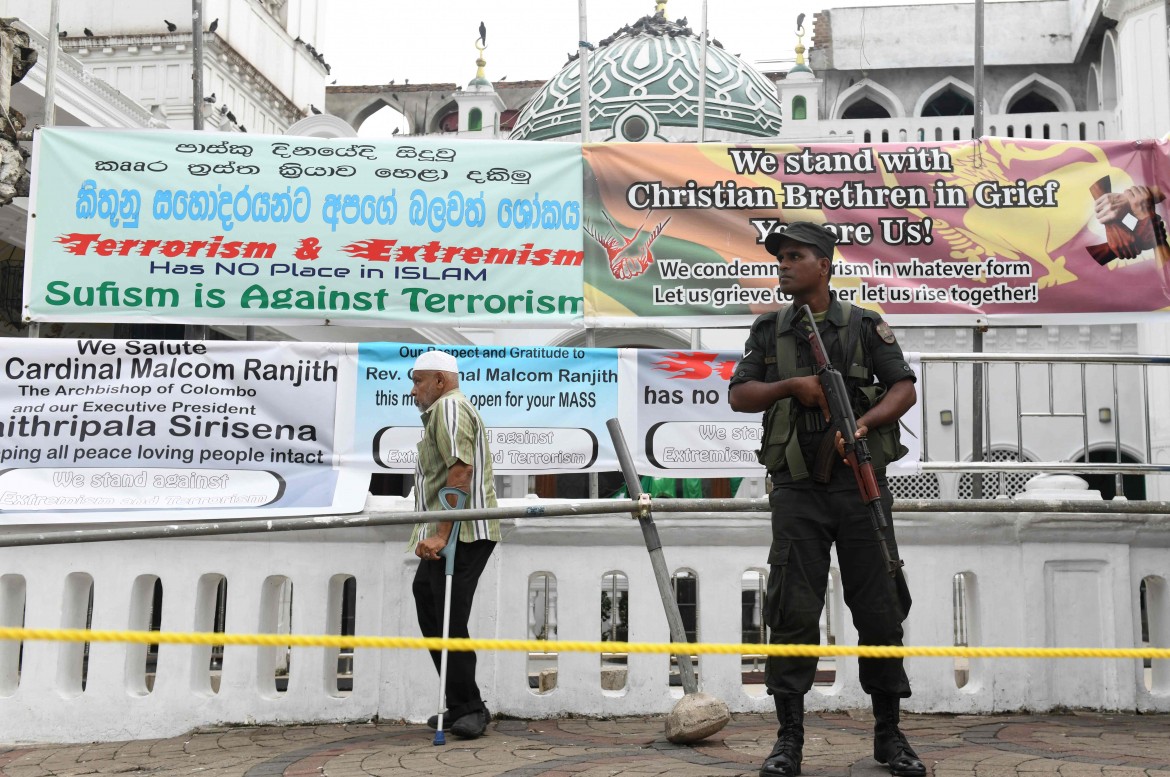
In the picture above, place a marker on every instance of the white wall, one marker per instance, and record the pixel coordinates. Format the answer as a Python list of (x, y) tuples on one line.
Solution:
[(1144, 77), (133, 51), (1037, 580), (892, 37)]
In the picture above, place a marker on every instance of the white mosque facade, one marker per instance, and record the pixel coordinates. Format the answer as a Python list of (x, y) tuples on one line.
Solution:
[(1092, 69)]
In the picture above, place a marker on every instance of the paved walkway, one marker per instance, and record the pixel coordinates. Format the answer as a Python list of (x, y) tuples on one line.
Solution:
[(837, 744)]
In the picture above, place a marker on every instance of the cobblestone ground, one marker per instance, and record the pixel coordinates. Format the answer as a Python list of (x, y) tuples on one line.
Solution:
[(837, 744)]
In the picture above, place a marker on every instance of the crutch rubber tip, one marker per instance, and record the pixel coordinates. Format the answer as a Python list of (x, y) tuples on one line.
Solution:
[(440, 739)]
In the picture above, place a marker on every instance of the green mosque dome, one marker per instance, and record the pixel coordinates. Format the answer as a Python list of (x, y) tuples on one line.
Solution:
[(644, 81)]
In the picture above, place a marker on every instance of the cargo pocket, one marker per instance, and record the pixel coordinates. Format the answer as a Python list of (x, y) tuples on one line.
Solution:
[(903, 590), (885, 444), (777, 571), (778, 430), (889, 446)]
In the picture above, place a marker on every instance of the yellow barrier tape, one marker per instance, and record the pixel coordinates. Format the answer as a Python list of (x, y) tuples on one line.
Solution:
[(567, 646)]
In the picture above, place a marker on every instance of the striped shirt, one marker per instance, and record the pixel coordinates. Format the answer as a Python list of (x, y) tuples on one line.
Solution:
[(453, 431)]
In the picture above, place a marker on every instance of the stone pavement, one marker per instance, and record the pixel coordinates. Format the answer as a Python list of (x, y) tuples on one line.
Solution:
[(837, 744)]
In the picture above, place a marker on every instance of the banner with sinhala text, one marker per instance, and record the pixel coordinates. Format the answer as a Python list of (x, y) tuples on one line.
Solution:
[(1019, 231), (187, 227)]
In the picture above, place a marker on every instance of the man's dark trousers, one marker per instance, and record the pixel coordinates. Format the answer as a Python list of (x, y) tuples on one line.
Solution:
[(805, 523), (430, 582)]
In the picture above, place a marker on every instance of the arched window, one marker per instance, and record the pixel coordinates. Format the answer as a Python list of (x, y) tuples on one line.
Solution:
[(799, 108), (865, 108), (449, 122), (1007, 483), (1134, 486), (475, 120), (949, 103), (1031, 102), (1038, 94), (1108, 73), (867, 100), (615, 627), (542, 625), (1092, 89), (379, 120)]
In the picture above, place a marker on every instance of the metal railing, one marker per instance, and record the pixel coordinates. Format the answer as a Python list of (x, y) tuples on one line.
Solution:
[(1075, 125), (1034, 417)]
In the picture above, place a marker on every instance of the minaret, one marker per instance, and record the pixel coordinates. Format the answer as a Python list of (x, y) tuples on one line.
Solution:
[(799, 92), (479, 105)]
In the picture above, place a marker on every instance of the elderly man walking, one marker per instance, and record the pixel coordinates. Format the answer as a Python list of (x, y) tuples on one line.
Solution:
[(453, 453)]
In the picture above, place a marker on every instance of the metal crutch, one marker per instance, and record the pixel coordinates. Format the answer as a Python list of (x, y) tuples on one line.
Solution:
[(448, 553)]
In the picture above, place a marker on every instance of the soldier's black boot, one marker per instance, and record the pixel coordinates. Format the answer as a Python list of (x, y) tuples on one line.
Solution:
[(889, 743), (786, 755)]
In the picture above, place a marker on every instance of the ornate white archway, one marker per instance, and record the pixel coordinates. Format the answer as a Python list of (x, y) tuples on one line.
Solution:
[(1043, 86), (1110, 88), (874, 91), (323, 126), (1093, 88), (940, 86)]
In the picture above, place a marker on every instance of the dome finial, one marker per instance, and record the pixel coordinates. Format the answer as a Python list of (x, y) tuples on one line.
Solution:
[(480, 63), (800, 39), (799, 66), (660, 8)]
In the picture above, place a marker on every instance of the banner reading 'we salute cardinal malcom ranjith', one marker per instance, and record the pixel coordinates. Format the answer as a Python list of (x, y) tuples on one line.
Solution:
[(1013, 230)]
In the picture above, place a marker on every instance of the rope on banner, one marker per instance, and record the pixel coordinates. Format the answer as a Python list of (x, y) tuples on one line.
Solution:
[(567, 646)]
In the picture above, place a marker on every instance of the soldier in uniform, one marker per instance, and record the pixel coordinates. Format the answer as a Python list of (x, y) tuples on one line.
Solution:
[(814, 498)]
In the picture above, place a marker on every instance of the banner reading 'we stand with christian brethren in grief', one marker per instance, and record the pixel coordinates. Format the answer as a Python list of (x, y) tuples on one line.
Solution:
[(1020, 231)]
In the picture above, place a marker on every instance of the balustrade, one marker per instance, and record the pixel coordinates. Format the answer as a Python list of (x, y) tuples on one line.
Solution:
[(1028, 579)]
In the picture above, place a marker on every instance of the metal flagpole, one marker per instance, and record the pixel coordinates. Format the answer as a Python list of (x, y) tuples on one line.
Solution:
[(703, 79), (583, 46), (978, 69), (977, 395), (51, 66), (594, 486), (197, 64), (190, 331), (50, 118)]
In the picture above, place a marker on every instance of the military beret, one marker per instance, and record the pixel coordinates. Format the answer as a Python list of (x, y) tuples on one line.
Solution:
[(815, 235)]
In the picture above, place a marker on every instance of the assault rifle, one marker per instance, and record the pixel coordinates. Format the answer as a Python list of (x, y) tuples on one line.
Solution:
[(856, 450)]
